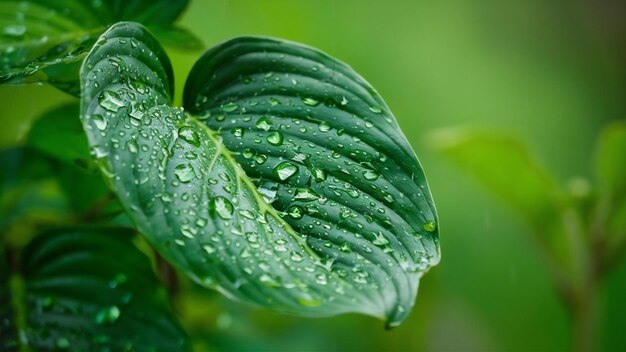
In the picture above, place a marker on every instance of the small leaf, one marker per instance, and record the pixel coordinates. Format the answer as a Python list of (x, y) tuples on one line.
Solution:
[(73, 294), (504, 165), (45, 41), (611, 172), (178, 38), (334, 220), (611, 160), (59, 133)]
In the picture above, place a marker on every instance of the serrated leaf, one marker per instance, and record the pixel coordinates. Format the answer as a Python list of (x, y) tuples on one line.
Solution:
[(73, 294), (45, 41), (335, 220)]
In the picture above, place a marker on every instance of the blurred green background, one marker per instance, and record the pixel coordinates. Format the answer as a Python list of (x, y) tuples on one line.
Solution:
[(551, 72)]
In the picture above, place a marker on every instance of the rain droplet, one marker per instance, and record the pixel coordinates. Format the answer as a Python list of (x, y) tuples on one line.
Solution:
[(295, 212), (324, 127), (110, 101), (184, 173), (222, 206), (305, 194), (14, 30), (275, 138), (430, 226), (370, 175), (248, 153), (209, 249), (376, 109), (318, 174), (132, 146), (237, 132), (310, 101), (230, 107), (100, 122), (264, 123), (190, 136), (285, 170)]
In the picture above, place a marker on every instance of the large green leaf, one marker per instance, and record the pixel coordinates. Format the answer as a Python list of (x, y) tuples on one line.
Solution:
[(43, 40), (86, 289), (329, 211)]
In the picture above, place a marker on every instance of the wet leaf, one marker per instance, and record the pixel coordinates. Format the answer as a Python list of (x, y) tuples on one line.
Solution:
[(45, 41), (73, 294), (305, 199)]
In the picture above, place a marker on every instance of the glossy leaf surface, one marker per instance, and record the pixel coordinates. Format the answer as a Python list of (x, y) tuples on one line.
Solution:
[(89, 289), (45, 41), (290, 199)]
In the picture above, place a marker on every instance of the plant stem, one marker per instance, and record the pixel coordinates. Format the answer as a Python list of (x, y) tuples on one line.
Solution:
[(584, 317)]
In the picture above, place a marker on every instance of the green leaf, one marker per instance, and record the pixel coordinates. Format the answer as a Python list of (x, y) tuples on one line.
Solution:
[(8, 330), (59, 134), (333, 219), (505, 166), (29, 194), (177, 38), (45, 41), (611, 160), (86, 289), (611, 172)]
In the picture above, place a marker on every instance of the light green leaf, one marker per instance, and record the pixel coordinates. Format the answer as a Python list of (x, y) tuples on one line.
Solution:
[(505, 166), (611, 160), (72, 293), (333, 219), (611, 172), (177, 38), (45, 41)]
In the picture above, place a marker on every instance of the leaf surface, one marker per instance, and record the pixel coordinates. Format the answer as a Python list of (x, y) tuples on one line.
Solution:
[(309, 207), (86, 289), (45, 41)]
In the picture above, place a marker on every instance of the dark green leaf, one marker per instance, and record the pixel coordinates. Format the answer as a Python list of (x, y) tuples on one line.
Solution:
[(90, 289), (60, 134), (332, 219), (8, 330), (29, 194), (42, 40)]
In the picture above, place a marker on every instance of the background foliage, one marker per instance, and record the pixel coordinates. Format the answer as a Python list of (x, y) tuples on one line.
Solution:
[(552, 73)]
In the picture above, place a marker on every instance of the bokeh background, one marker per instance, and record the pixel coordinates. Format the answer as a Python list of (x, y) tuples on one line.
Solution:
[(551, 72)]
